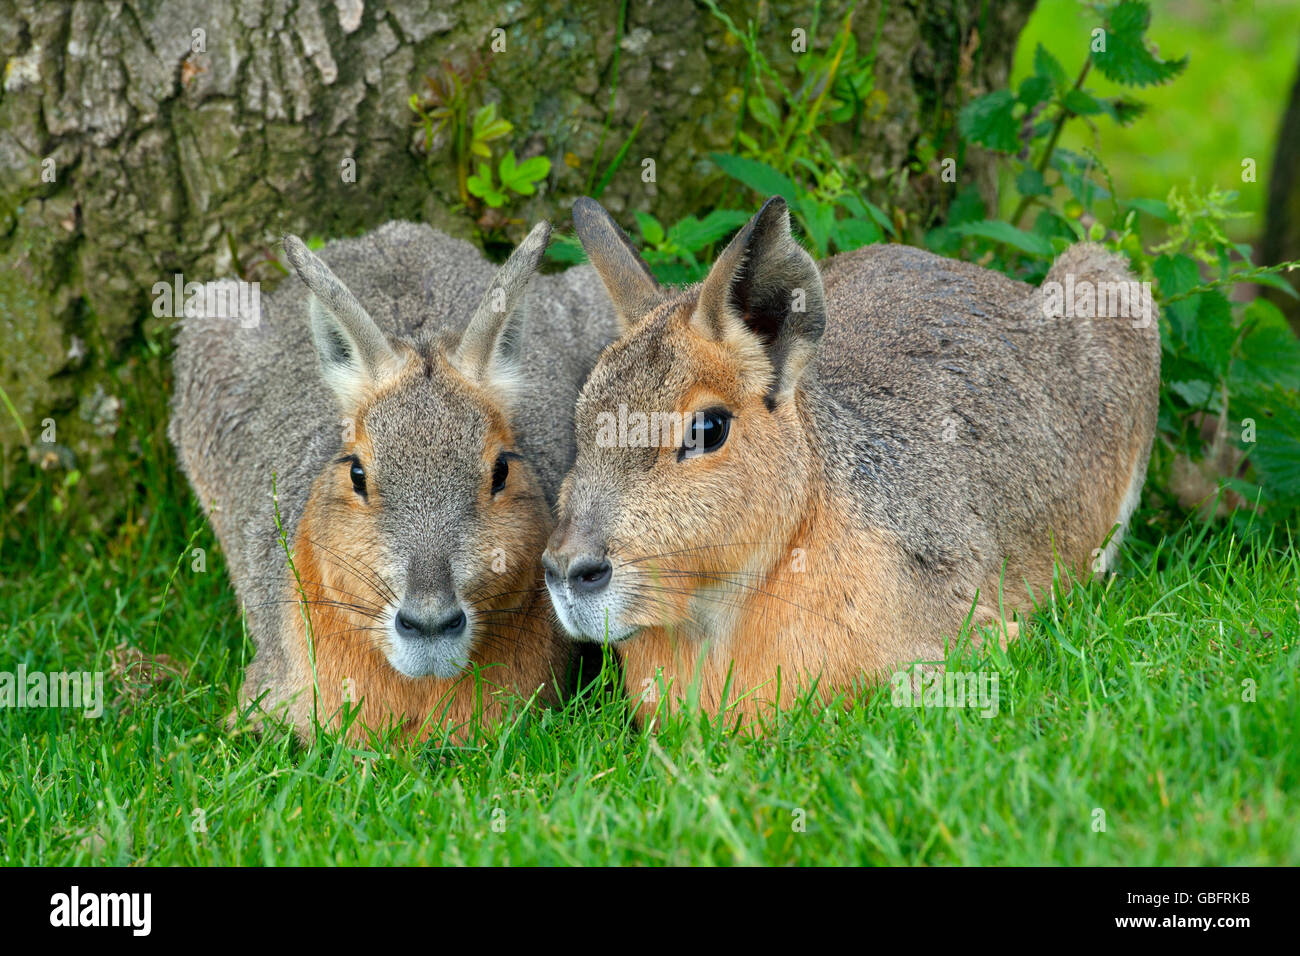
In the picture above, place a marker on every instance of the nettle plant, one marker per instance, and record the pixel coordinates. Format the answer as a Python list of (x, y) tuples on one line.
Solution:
[(782, 145), (780, 148), (1231, 369)]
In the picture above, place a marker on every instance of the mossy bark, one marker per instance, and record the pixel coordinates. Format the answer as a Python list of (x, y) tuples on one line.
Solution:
[(128, 155)]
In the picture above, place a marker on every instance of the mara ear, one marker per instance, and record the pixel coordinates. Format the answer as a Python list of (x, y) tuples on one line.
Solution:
[(353, 352), (488, 351), (765, 287), (628, 280)]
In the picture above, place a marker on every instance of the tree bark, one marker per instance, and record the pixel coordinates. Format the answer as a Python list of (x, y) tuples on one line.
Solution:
[(141, 138), (1282, 224)]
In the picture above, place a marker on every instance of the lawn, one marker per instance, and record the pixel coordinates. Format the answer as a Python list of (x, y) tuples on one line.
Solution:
[(1146, 719), (1160, 704)]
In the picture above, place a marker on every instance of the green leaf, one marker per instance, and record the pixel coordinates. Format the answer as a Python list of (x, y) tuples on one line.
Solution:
[(1124, 110), (487, 126), (967, 206), (696, 234), (1274, 281), (507, 169), (1004, 232), (818, 220), (521, 177), (760, 177), (1048, 66), (1127, 59), (765, 112), (1175, 274), (1212, 335), (1196, 393), (1034, 90), (480, 182), (1276, 451), (1082, 103), (989, 121), (1157, 208), (855, 233), (651, 229), (1269, 352), (864, 208), (566, 249), (676, 273), (1030, 183), (481, 185)]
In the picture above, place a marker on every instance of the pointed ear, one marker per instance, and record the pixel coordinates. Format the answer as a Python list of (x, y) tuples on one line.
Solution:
[(488, 350), (353, 351), (627, 278), (765, 287)]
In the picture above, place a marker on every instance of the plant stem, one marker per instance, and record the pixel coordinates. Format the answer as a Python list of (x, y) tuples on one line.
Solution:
[(1046, 159), (613, 91)]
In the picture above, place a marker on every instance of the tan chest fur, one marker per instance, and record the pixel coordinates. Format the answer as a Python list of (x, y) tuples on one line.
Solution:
[(832, 610)]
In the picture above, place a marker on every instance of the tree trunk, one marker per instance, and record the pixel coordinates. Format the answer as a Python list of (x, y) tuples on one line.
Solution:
[(144, 138), (1282, 226)]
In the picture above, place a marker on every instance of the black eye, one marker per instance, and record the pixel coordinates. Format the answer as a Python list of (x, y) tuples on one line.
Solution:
[(706, 431), (499, 473), (358, 475)]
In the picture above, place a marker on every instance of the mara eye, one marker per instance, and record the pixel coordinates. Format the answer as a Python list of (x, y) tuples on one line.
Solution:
[(707, 430), (358, 475), (499, 473)]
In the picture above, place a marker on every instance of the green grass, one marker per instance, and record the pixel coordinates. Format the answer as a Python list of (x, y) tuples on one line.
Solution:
[(1125, 697)]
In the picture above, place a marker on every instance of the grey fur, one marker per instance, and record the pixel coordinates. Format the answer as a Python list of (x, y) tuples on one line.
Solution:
[(494, 334), (344, 334), (917, 343), (250, 403)]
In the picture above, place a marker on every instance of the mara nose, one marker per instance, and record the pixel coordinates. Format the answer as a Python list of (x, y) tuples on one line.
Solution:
[(450, 624), (584, 573), (588, 575)]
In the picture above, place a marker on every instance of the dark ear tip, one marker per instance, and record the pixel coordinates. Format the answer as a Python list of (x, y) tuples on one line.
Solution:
[(775, 206), (587, 212)]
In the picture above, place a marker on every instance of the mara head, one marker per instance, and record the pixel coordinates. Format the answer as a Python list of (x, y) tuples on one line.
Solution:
[(693, 464), (427, 520)]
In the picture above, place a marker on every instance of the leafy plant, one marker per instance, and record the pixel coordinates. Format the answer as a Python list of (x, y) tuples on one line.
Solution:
[(832, 216), (782, 146), (674, 253), (1231, 369), (512, 176), (447, 105)]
